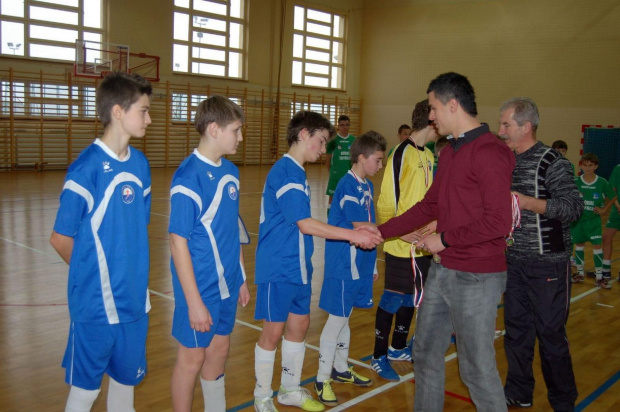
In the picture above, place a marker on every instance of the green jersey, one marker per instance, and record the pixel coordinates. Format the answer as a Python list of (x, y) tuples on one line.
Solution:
[(340, 149), (594, 194)]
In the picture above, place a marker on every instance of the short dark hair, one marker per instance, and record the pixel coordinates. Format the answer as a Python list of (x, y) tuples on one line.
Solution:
[(589, 157), (367, 144), (311, 121), (559, 144), (403, 127), (119, 88), (343, 117), (419, 116), (452, 85), (219, 110)]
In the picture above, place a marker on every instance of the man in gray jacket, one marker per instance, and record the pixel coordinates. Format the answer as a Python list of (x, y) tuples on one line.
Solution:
[(537, 296)]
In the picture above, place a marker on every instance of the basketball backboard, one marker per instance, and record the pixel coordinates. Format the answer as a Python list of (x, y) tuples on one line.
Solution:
[(95, 59)]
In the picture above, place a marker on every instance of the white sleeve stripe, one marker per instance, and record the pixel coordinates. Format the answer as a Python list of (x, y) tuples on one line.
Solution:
[(189, 193), (348, 198), (290, 186), (147, 191), (82, 191)]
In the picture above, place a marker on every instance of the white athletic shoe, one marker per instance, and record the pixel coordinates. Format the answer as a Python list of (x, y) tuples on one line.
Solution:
[(300, 398), (264, 405)]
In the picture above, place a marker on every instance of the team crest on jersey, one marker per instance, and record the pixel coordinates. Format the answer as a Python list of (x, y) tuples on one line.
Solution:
[(211, 177), (595, 196), (232, 192), (359, 189), (106, 167), (128, 194)]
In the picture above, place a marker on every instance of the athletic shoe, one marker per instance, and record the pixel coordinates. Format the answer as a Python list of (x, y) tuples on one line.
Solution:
[(264, 405), (300, 398), (350, 376), (602, 283), (403, 354), (578, 278), (498, 333), (520, 404), (325, 393), (607, 276), (384, 369)]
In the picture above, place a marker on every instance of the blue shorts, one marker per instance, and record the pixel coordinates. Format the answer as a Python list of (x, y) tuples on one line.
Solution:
[(223, 315), (275, 300), (339, 297), (118, 350)]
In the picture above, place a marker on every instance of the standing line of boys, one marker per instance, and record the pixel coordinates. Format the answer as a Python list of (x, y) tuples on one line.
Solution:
[(105, 203)]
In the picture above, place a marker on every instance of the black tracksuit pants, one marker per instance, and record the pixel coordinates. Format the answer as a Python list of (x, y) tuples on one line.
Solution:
[(536, 305)]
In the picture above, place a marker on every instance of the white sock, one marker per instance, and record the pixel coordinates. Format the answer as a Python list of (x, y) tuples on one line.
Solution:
[(292, 363), (81, 400), (598, 263), (327, 351), (341, 363), (214, 394), (263, 370), (120, 397)]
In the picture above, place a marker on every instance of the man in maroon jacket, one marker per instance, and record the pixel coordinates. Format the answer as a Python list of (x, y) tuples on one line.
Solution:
[(470, 198)]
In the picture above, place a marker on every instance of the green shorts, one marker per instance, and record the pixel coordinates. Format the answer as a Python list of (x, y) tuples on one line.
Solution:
[(614, 219), (587, 230)]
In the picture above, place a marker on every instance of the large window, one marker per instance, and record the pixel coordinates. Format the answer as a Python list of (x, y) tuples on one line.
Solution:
[(48, 29), (47, 100), (209, 37), (318, 48)]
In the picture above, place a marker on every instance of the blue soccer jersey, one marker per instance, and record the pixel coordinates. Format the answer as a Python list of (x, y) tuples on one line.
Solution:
[(105, 207), (204, 210), (284, 254), (352, 202)]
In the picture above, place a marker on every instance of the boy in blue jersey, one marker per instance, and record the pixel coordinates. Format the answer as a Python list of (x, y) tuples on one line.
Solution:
[(349, 271), (208, 273), (101, 232), (284, 266)]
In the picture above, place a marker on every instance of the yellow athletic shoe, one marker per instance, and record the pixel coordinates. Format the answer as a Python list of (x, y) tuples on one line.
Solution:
[(350, 376), (325, 393), (300, 398)]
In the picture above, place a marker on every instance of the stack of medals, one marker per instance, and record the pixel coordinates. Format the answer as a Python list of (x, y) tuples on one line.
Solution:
[(516, 220)]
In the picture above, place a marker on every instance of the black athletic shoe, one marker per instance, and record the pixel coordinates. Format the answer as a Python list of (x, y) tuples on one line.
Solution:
[(519, 404)]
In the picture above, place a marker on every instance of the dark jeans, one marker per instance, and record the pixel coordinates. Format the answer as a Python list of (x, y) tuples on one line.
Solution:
[(537, 301)]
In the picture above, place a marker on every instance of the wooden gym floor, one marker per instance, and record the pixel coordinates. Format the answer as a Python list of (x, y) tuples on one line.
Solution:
[(34, 317)]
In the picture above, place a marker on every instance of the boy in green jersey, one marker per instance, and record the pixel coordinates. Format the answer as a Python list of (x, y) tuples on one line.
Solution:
[(613, 224), (598, 197), (338, 156)]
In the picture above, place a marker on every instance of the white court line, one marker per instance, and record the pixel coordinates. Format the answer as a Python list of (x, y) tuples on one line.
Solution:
[(381, 389), (602, 304), (159, 214), (28, 247)]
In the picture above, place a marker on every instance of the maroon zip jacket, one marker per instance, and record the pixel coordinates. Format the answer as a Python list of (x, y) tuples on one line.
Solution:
[(470, 198)]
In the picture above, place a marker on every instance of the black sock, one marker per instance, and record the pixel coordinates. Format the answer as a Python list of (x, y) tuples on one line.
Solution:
[(383, 325), (401, 327)]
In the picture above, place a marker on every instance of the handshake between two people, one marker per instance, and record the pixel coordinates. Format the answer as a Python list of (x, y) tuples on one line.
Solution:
[(366, 236)]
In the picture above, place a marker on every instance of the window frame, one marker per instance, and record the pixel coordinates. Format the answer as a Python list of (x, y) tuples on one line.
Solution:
[(192, 43), (25, 49), (335, 63)]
